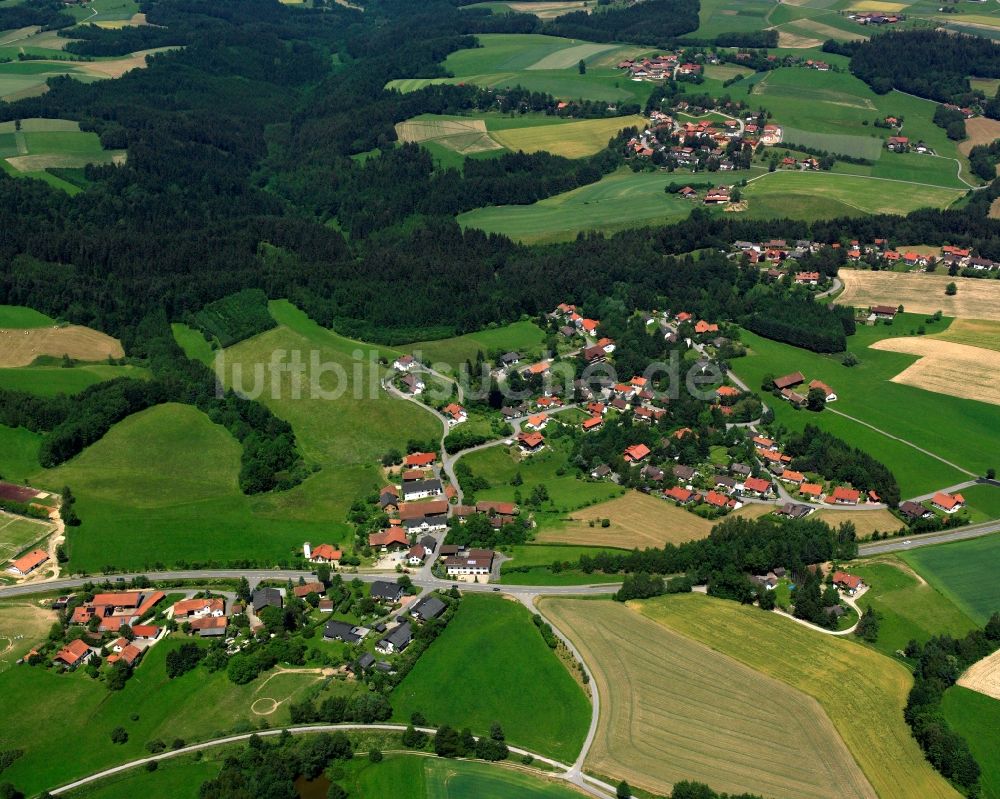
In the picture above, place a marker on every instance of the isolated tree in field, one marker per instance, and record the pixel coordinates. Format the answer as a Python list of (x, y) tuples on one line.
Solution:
[(816, 400), (582, 66), (951, 289)]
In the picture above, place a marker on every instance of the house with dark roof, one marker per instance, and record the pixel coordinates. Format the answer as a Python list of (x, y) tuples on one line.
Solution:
[(430, 607), (384, 591), (397, 640), (266, 597)]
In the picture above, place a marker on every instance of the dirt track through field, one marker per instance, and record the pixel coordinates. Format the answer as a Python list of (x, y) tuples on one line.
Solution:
[(948, 368), (977, 298), (983, 676), (21, 347), (674, 709)]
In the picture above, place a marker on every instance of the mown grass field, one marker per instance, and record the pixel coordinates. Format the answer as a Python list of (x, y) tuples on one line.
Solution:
[(636, 520), (566, 493), (969, 445), (977, 718), (675, 709), (541, 63), (48, 381), (175, 777), (964, 572), (42, 144), (619, 201), (862, 691), (910, 608), (448, 354), (21, 317), (196, 706), (813, 195), (171, 473), (492, 642), (18, 453), (412, 777)]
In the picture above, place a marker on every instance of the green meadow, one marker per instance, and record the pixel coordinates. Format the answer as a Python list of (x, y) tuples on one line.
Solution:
[(965, 572), (866, 393), (541, 63), (977, 719), (195, 706), (524, 337), (48, 381), (491, 664), (909, 609), (619, 201), (44, 144), (22, 317), (550, 468)]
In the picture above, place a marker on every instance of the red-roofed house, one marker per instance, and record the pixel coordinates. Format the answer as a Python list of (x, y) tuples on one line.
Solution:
[(393, 538), (757, 485), (636, 453), (847, 582), (25, 565), (325, 553), (74, 654), (530, 442), (844, 496), (949, 503), (419, 459)]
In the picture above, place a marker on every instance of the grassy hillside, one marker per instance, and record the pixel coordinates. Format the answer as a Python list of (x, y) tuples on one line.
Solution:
[(491, 664), (673, 709), (977, 718), (964, 572), (910, 608), (861, 691)]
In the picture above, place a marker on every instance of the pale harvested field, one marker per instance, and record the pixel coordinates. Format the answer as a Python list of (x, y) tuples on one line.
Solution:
[(863, 692), (983, 676), (572, 140), (793, 40), (948, 368), (981, 131), (673, 709), (922, 293), (974, 332), (21, 347), (865, 522), (637, 520), (464, 136)]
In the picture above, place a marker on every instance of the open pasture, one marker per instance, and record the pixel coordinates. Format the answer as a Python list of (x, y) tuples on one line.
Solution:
[(948, 368), (969, 445), (977, 718), (965, 572), (862, 691), (807, 195), (572, 139), (922, 293), (674, 709), (910, 608), (449, 353), (619, 201), (19, 347), (492, 642), (974, 332), (637, 520)]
